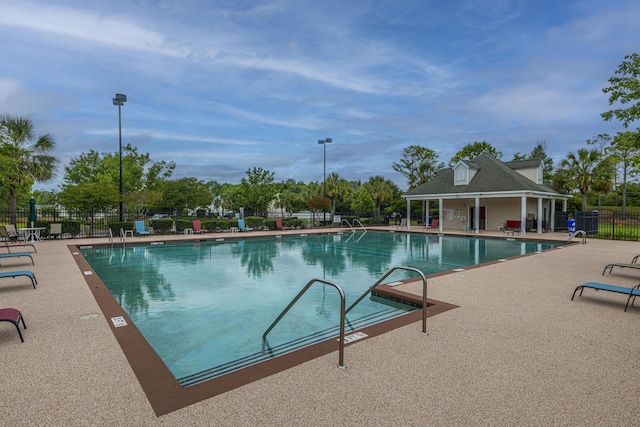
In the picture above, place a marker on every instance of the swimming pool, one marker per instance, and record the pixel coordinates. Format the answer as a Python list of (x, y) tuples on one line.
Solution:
[(204, 305)]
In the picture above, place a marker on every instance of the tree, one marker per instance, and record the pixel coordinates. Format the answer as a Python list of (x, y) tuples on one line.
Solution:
[(625, 89), (625, 152), (380, 190), (311, 194), (259, 189), (586, 170), (24, 158), (470, 151), (142, 178), (185, 194), (362, 201), (603, 140), (337, 188), (540, 152), (89, 197), (418, 164)]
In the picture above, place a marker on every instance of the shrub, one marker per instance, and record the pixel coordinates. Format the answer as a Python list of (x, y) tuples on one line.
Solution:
[(181, 224), (116, 226), (70, 227), (161, 225)]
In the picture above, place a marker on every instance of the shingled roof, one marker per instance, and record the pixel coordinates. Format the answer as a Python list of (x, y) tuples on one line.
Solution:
[(492, 176)]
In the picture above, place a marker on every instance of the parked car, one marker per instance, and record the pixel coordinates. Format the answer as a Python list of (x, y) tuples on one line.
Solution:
[(160, 216)]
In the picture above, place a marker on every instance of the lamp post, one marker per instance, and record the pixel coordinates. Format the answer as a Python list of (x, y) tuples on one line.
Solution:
[(324, 142), (119, 100)]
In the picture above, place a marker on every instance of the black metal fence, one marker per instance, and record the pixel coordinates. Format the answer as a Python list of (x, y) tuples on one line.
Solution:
[(604, 224), (74, 223), (78, 224)]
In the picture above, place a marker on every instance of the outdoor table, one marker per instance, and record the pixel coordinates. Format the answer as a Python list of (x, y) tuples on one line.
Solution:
[(31, 234)]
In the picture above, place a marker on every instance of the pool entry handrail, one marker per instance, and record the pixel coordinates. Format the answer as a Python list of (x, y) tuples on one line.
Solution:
[(424, 293), (352, 227), (578, 233), (123, 237), (342, 317), (349, 224), (359, 223)]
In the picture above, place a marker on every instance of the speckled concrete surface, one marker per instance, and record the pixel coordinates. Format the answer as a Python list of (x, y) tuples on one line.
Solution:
[(516, 352)]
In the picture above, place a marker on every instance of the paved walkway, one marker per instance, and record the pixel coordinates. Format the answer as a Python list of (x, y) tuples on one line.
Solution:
[(516, 352)]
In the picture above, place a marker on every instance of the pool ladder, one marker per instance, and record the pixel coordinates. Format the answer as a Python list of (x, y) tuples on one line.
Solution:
[(352, 227), (291, 304), (578, 233), (343, 312)]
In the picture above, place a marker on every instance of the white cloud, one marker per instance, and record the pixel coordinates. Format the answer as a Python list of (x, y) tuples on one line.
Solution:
[(117, 31)]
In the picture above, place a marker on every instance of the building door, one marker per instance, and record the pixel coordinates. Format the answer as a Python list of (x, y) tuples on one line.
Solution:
[(472, 215)]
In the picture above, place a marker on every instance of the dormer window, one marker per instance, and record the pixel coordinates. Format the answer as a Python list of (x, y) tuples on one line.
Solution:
[(463, 174)]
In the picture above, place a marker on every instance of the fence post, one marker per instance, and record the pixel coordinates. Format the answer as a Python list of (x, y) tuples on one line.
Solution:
[(613, 225)]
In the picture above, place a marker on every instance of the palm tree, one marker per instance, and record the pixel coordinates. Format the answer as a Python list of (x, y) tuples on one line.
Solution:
[(24, 158), (586, 170), (337, 188), (380, 191)]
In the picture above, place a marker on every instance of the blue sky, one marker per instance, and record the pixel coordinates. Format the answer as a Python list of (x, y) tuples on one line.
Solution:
[(223, 86)]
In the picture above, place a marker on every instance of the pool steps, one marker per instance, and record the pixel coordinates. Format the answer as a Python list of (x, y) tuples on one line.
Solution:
[(279, 350)]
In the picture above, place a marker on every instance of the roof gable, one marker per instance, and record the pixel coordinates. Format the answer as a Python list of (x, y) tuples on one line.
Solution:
[(491, 176)]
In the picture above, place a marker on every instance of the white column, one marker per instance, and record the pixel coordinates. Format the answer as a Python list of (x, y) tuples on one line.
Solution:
[(552, 219), (476, 215), (440, 217), (523, 215), (408, 214), (539, 230)]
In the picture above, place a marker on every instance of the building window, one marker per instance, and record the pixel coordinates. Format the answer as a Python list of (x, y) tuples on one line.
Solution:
[(461, 175)]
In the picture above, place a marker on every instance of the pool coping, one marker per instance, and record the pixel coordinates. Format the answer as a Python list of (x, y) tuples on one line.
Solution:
[(162, 389)]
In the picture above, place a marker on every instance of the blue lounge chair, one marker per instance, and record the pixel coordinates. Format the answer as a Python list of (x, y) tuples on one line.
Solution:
[(17, 255), (140, 228), (632, 266), (17, 273), (632, 292), (243, 227), (8, 247)]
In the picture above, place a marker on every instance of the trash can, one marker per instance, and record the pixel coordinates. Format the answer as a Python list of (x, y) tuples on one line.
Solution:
[(571, 225)]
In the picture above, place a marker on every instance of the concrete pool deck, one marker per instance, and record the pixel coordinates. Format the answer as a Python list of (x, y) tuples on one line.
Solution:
[(517, 351)]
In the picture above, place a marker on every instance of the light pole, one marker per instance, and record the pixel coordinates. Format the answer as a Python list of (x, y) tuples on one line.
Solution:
[(324, 142), (119, 100)]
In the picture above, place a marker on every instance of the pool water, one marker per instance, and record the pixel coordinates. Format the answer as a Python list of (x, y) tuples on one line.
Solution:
[(204, 305)]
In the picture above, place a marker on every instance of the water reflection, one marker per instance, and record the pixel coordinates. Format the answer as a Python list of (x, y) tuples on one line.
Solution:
[(134, 274), (143, 284), (257, 256)]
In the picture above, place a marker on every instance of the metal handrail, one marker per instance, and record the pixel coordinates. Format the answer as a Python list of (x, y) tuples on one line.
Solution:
[(349, 224), (358, 221), (577, 233), (342, 316), (123, 237), (424, 293)]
